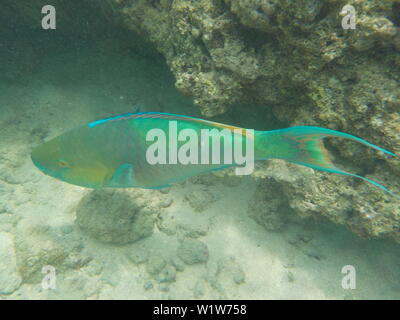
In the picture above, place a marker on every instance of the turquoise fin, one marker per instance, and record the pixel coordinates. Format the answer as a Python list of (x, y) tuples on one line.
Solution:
[(123, 177), (304, 146)]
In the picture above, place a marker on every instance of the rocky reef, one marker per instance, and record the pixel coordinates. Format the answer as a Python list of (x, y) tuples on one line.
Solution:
[(253, 63), (295, 58)]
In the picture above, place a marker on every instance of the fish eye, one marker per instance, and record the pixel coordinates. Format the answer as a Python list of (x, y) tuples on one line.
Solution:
[(63, 164)]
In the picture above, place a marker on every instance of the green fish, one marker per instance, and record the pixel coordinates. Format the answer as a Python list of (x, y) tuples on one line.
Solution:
[(129, 150)]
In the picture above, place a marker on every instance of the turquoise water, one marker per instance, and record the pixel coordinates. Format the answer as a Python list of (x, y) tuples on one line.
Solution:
[(211, 237)]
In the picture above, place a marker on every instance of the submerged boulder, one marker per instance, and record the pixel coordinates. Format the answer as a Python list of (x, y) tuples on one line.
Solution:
[(118, 216)]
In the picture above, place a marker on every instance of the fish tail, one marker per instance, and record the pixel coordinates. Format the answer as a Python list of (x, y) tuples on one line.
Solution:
[(304, 146)]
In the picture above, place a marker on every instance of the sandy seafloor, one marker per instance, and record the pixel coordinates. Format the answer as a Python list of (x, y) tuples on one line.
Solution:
[(245, 261)]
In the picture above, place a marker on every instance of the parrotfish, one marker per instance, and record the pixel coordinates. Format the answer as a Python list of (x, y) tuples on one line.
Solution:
[(114, 152)]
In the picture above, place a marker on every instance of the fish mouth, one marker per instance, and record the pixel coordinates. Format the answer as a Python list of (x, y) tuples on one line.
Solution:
[(38, 165)]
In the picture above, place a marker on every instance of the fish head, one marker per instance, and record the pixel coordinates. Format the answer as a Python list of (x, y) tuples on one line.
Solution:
[(72, 157)]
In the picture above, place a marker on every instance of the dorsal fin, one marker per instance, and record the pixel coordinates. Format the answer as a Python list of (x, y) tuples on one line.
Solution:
[(168, 116)]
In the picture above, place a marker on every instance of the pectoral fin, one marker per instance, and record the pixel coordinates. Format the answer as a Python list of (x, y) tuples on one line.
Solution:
[(123, 177)]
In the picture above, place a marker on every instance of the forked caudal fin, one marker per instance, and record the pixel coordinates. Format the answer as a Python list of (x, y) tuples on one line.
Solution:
[(304, 145)]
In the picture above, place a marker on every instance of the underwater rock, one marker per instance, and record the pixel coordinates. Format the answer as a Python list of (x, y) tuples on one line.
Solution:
[(10, 280), (166, 223), (201, 198), (155, 264), (117, 216), (270, 209), (192, 251), (194, 230), (255, 14), (368, 213), (224, 275), (191, 36), (222, 52), (231, 181), (167, 274)]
